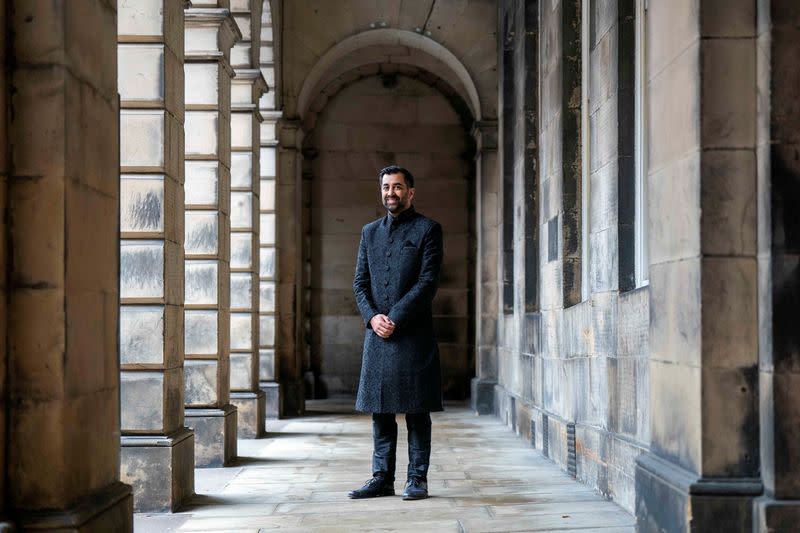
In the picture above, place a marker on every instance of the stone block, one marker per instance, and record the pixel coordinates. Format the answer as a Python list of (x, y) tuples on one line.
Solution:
[(203, 134), (142, 203), (242, 245), (160, 470), (266, 330), (242, 125), (215, 435), (201, 233), (268, 233), (142, 335), (267, 195), (729, 320), (674, 206), (142, 138), (729, 117), (142, 269), (241, 332), (727, 19), (676, 409), (242, 290), (251, 413), (267, 365), (677, 88), (729, 202), (202, 282), (274, 400), (201, 332), (202, 382), (671, 29), (151, 401), (675, 312), (241, 210), (141, 73), (242, 371), (202, 184), (242, 170)]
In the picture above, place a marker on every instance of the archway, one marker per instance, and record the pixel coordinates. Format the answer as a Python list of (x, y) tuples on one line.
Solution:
[(362, 120)]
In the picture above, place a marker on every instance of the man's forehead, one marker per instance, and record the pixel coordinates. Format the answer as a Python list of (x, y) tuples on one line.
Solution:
[(394, 178)]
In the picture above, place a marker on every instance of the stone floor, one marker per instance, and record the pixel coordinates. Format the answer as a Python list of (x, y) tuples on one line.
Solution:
[(482, 478)]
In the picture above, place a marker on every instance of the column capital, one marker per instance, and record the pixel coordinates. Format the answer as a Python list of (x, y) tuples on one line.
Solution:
[(290, 133), (485, 134), (198, 43)]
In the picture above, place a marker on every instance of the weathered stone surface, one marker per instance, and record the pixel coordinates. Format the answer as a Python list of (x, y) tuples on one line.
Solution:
[(215, 435)]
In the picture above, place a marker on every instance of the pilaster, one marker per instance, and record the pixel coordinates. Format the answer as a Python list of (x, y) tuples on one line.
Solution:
[(209, 34), (486, 275), (157, 455), (61, 390), (246, 90)]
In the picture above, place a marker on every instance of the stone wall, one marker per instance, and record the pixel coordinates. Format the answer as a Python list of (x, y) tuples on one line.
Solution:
[(572, 372), (374, 122)]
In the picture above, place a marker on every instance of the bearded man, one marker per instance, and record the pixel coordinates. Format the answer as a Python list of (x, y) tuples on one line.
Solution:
[(397, 274)]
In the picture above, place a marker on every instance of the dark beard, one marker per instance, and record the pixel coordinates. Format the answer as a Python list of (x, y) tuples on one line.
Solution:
[(396, 207)]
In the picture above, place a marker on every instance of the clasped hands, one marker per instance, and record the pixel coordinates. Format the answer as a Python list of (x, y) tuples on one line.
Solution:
[(382, 325)]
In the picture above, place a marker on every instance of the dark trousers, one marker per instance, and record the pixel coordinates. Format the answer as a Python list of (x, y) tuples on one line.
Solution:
[(384, 438)]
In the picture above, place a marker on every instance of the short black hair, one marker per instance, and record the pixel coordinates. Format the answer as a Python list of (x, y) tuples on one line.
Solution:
[(394, 169)]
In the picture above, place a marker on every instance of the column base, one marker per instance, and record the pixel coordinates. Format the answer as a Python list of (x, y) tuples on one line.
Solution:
[(214, 435), (110, 509), (770, 514), (482, 396), (670, 498), (160, 469), (251, 409), (274, 401)]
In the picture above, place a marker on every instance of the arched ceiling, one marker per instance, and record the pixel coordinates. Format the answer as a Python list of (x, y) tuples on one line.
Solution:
[(448, 35)]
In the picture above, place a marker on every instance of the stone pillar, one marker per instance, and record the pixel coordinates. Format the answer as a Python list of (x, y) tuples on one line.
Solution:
[(487, 185), (61, 275), (778, 143), (702, 470), (289, 342), (246, 91), (157, 450), (268, 374), (210, 33)]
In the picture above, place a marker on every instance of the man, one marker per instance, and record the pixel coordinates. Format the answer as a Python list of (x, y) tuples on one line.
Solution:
[(397, 273)]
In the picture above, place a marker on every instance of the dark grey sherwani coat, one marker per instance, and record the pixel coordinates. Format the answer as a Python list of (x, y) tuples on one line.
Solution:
[(397, 274)]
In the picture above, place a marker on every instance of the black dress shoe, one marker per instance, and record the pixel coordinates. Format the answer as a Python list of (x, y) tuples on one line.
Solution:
[(416, 489), (373, 488)]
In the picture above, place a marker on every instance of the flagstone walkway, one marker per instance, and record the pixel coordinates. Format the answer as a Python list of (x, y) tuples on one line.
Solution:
[(482, 478)]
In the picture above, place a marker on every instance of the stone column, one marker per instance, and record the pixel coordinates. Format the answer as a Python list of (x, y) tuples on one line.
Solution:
[(157, 450), (702, 470), (61, 275), (778, 143), (268, 274), (288, 246), (268, 374), (246, 91), (487, 185), (210, 33)]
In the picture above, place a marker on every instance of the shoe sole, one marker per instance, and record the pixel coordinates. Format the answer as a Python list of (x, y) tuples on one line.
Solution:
[(407, 497), (356, 497)]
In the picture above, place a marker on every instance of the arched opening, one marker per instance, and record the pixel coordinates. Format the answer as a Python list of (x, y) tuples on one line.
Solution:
[(361, 121)]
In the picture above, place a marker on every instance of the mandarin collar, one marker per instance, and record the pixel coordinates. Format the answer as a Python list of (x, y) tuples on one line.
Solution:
[(405, 215)]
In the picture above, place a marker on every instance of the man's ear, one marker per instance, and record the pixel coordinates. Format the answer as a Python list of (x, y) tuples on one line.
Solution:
[(411, 193)]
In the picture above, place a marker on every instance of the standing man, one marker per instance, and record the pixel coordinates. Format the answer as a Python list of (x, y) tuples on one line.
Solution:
[(397, 273)]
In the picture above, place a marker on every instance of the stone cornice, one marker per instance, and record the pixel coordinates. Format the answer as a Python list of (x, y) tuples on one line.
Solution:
[(196, 17), (290, 134), (254, 76)]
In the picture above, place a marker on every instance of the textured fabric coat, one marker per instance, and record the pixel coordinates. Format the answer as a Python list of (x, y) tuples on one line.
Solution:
[(397, 274)]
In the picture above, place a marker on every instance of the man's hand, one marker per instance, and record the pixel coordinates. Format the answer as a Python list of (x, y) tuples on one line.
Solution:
[(382, 325)]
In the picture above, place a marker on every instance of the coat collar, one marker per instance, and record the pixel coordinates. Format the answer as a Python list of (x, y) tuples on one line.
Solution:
[(408, 214)]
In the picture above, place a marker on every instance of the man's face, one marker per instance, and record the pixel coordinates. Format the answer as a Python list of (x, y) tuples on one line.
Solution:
[(395, 194)]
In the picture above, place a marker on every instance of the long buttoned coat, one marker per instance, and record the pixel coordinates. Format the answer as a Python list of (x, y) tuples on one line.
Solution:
[(397, 274)]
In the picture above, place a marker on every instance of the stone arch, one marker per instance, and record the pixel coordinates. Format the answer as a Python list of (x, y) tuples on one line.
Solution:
[(393, 46)]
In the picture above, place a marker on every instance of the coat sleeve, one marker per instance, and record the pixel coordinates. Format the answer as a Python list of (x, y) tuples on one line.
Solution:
[(362, 284), (422, 292)]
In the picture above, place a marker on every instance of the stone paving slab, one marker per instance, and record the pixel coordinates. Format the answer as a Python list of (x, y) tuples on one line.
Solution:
[(482, 478)]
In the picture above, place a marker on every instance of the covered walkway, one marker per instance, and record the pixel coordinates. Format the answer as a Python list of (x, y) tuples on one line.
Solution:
[(482, 478)]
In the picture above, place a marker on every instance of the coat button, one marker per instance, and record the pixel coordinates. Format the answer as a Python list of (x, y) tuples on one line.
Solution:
[(391, 240), (387, 268), (388, 254), (386, 283)]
